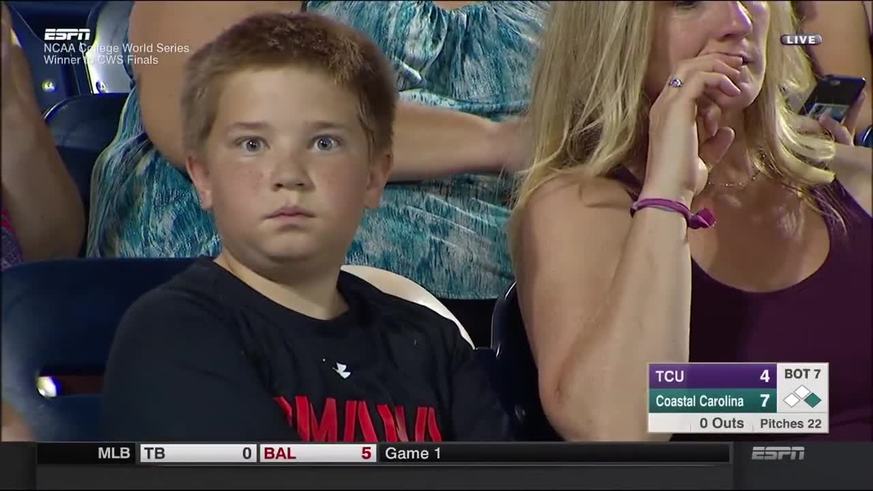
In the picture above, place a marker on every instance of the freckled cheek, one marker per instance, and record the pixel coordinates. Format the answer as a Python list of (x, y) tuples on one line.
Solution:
[(241, 185), (248, 176), (342, 187)]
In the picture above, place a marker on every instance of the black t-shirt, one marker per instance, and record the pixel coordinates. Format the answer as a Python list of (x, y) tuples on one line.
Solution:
[(205, 357)]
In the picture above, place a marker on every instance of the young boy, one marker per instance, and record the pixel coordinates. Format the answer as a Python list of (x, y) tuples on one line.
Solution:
[(287, 122)]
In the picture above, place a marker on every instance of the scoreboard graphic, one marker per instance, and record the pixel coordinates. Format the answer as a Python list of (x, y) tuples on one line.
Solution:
[(738, 398), (280, 454), (252, 453)]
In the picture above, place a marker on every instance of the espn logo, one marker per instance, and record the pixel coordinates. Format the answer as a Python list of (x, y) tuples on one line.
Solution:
[(778, 453), (72, 34), (800, 39)]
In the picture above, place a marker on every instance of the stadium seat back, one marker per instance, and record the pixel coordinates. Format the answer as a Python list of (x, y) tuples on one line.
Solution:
[(59, 318), (516, 372), (82, 126)]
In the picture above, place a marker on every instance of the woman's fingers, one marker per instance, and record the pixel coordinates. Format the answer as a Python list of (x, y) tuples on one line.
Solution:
[(840, 133), (715, 148), (699, 88), (710, 113), (714, 62)]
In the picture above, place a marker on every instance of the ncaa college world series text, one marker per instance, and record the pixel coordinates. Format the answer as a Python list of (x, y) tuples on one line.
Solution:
[(75, 46)]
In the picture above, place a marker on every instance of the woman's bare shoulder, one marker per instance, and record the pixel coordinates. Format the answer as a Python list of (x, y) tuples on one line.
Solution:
[(568, 213), (570, 191)]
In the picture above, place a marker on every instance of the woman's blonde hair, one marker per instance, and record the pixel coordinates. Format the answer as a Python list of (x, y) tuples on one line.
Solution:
[(589, 110)]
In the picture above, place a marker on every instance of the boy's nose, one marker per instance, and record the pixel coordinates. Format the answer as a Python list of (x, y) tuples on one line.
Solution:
[(289, 175)]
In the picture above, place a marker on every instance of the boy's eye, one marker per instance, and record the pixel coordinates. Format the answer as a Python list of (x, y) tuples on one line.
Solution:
[(251, 144), (685, 5), (325, 143)]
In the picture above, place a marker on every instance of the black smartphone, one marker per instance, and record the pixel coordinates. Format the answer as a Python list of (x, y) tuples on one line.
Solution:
[(834, 92)]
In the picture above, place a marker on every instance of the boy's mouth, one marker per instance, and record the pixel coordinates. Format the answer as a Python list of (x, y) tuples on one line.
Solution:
[(291, 211)]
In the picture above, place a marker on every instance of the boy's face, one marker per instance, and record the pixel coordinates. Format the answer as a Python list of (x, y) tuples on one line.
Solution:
[(287, 171)]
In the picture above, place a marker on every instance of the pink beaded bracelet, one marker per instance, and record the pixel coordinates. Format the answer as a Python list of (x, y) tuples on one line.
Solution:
[(702, 219)]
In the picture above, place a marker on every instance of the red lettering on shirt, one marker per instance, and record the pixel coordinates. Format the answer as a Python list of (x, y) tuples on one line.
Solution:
[(432, 426), (356, 419), (326, 430), (400, 415), (351, 416), (286, 409), (387, 422), (366, 423), (420, 421), (302, 404)]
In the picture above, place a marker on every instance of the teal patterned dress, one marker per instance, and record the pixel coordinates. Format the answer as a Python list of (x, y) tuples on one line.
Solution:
[(447, 234)]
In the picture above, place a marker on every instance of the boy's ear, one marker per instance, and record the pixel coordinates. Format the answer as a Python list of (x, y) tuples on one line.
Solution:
[(380, 169), (199, 174)]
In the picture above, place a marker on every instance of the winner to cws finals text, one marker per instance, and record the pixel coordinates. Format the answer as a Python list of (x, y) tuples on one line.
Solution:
[(73, 53)]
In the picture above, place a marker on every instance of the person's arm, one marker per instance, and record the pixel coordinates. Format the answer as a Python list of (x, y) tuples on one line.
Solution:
[(429, 142), (845, 47), (602, 294), (38, 192), (191, 25), (176, 373), (852, 166)]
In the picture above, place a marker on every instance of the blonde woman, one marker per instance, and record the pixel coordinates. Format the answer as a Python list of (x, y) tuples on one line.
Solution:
[(668, 107)]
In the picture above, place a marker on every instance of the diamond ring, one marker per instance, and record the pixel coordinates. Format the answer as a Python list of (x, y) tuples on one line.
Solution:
[(675, 82)]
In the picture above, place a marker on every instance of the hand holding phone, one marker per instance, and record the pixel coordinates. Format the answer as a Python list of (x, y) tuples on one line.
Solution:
[(836, 93), (843, 132)]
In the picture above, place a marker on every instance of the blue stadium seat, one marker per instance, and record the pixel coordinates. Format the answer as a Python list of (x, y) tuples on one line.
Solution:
[(82, 127), (516, 372), (59, 318)]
